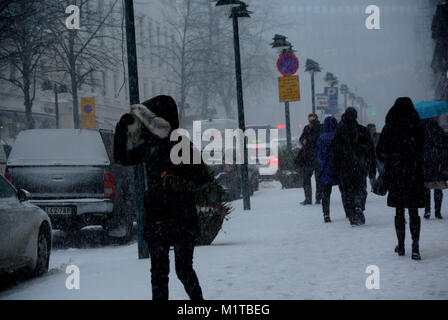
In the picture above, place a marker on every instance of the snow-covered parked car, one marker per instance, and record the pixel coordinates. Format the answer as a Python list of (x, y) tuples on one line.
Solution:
[(71, 175), (25, 232)]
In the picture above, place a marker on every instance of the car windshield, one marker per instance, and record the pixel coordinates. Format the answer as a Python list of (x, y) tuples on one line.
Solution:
[(58, 147)]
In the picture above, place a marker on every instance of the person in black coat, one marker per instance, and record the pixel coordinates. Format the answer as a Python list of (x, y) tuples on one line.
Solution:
[(354, 160), (400, 148), (171, 218), (435, 157), (308, 139)]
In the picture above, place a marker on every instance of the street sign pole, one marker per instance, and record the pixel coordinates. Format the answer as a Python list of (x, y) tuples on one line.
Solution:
[(288, 126), (241, 121), (143, 251)]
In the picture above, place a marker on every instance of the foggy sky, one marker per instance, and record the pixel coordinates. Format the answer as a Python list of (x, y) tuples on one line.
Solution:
[(379, 65)]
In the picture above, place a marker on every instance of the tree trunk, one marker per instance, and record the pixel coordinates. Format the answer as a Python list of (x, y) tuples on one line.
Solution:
[(28, 103)]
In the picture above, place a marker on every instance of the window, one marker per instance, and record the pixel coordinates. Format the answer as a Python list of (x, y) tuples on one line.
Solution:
[(104, 80), (6, 191), (116, 83), (151, 42)]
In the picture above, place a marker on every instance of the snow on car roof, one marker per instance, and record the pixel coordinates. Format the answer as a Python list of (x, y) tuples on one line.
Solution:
[(58, 147)]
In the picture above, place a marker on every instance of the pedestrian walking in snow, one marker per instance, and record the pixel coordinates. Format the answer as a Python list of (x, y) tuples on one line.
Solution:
[(308, 139), (435, 157), (400, 147), (354, 160), (171, 218), (327, 180), (375, 136)]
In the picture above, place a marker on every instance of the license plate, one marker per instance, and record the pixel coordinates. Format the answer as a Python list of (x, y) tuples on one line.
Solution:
[(59, 210)]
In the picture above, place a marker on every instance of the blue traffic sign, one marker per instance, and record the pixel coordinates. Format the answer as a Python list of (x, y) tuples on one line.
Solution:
[(332, 93)]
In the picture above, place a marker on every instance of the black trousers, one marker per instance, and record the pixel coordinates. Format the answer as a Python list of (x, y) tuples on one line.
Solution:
[(326, 196), (354, 195), (438, 197), (308, 173), (160, 268)]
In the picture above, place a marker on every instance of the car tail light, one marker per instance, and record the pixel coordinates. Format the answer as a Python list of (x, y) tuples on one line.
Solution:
[(109, 185), (275, 160), (8, 176)]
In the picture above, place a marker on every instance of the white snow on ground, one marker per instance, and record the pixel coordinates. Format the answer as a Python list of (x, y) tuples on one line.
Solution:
[(278, 250)]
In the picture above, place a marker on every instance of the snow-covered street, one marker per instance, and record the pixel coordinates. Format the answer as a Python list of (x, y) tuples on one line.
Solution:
[(278, 250)]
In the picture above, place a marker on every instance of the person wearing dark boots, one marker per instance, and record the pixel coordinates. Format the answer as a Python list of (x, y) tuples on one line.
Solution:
[(170, 206), (435, 157), (327, 180), (438, 197), (400, 148), (308, 139), (354, 160)]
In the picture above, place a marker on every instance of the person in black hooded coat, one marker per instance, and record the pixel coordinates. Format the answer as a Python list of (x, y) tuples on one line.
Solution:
[(354, 160), (171, 218), (308, 139), (435, 157), (400, 148)]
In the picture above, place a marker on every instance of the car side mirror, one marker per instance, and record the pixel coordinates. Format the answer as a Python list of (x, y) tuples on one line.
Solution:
[(22, 195)]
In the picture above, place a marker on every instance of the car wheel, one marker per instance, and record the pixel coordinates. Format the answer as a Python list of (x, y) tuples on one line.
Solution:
[(43, 254)]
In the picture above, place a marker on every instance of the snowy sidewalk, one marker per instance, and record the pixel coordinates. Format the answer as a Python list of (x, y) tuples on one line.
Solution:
[(278, 250)]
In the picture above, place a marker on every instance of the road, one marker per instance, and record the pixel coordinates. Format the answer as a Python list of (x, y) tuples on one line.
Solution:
[(278, 250)]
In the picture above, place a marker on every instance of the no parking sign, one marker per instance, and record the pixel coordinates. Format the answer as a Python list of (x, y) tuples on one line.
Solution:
[(288, 64)]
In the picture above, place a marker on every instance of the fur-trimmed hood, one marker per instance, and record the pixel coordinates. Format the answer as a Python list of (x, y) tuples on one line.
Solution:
[(158, 115)]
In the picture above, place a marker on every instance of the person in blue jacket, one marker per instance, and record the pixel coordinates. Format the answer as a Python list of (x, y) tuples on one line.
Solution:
[(327, 181)]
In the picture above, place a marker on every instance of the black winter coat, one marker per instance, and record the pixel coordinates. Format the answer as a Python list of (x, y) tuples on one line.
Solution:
[(310, 134), (400, 148), (435, 151), (353, 153), (169, 198)]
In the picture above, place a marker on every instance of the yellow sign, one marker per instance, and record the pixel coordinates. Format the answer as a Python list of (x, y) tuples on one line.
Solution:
[(289, 88), (88, 118)]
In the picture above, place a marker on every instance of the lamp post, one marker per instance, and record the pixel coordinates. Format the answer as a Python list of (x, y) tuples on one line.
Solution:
[(344, 91), (283, 46), (312, 67), (57, 88), (134, 97), (239, 10), (352, 97)]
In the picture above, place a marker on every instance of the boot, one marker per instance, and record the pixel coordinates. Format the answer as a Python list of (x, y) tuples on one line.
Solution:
[(304, 203), (401, 233), (361, 216), (438, 197), (427, 215), (415, 233), (327, 219)]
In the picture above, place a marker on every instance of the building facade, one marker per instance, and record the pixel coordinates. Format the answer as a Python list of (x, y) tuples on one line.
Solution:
[(154, 32)]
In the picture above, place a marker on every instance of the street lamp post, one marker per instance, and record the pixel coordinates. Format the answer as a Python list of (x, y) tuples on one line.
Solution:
[(134, 97), (239, 10), (344, 91), (312, 67)]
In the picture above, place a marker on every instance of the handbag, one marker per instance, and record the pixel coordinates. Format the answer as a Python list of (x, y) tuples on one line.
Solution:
[(380, 185)]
